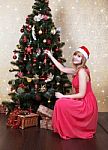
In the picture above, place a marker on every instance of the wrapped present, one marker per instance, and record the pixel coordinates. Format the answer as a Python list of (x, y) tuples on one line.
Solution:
[(28, 120), (13, 121), (45, 111), (46, 123)]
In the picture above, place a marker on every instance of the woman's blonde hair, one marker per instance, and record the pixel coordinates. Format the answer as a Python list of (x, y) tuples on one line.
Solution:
[(83, 61)]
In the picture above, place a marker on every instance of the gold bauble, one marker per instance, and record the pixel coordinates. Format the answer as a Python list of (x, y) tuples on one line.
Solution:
[(49, 101), (29, 79), (53, 31), (44, 41), (40, 32)]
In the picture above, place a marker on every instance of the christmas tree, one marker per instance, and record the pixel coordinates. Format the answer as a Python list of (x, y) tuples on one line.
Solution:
[(36, 77)]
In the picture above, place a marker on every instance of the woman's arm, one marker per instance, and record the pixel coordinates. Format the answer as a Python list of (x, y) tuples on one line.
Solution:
[(82, 87), (59, 65)]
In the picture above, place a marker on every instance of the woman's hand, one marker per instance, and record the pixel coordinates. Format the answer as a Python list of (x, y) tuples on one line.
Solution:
[(48, 53), (58, 95)]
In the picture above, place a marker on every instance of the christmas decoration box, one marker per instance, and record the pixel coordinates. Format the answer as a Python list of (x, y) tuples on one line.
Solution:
[(28, 120), (46, 117), (45, 111), (46, 123)]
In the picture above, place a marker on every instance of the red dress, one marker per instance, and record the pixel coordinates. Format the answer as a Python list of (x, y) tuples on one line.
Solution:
[(76, 118)]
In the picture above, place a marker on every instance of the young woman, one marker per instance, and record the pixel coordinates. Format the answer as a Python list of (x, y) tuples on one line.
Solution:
[(75, 116)]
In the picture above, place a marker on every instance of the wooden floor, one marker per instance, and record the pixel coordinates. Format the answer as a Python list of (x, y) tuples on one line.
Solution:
[(40, 139)]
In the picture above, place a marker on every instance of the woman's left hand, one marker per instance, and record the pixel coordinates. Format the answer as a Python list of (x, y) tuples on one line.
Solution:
[(58, 95)]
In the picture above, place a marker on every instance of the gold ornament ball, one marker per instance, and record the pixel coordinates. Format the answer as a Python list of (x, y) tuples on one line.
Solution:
[(44, 41), (53, 31), (49, 101), (40, 32), (18, 46)]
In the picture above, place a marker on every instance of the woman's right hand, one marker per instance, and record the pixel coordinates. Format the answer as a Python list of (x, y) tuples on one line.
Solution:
[(48, 53)]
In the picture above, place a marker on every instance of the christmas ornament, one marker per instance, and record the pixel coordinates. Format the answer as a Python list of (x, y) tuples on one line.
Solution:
[(48, 41), (38, 51), (13, 82), (36, 86), (57, 49), (20, 74), (28, 72), (53, 31), (45, 59), (66, 85), (43, 88), (36, 77), (49, 101), (43, 77), (20, 90), (14, 56), (38, 98), (24, 39), (38, 18), (34, 60), (44, 41), (40, 32), (29, 79), (33, 33), (58, 78), (22, 85), (29, 49), (28, 27), (45, 17), (22, 30), (58, 83), (18, 46), (50, 78), (27, 19)]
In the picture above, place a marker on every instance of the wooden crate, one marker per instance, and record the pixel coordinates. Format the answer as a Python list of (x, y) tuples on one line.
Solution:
[(28, 120)]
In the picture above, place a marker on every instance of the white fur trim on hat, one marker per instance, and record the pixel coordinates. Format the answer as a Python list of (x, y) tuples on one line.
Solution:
[(83, 52)]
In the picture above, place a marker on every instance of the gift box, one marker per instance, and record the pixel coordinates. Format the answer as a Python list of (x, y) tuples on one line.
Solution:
[(45, 111), (13, 121), (28, 120), (46, 123)]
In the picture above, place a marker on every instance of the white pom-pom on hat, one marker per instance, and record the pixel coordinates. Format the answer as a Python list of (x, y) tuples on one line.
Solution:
[(84, 51)]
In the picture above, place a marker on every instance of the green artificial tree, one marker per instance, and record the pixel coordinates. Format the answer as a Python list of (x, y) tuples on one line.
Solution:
[(36, 77)]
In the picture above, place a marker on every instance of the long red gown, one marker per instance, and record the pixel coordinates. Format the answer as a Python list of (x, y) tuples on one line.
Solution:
[(76, 118)]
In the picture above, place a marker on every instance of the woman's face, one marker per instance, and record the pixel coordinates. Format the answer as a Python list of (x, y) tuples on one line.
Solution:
[(77, 58)]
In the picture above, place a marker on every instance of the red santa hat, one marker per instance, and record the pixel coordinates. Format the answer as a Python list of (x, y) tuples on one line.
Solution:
[(84, 51)]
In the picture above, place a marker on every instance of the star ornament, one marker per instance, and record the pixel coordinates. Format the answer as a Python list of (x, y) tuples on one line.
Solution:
[(29, 49)]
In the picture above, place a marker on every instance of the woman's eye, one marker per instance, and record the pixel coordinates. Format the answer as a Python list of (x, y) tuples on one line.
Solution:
[(79, 56)]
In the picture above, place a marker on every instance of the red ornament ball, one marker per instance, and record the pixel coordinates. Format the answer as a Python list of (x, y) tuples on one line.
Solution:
[(34, 60), (49, 42), (14, 56), (24, 39), (22, 30), (38, 98)]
